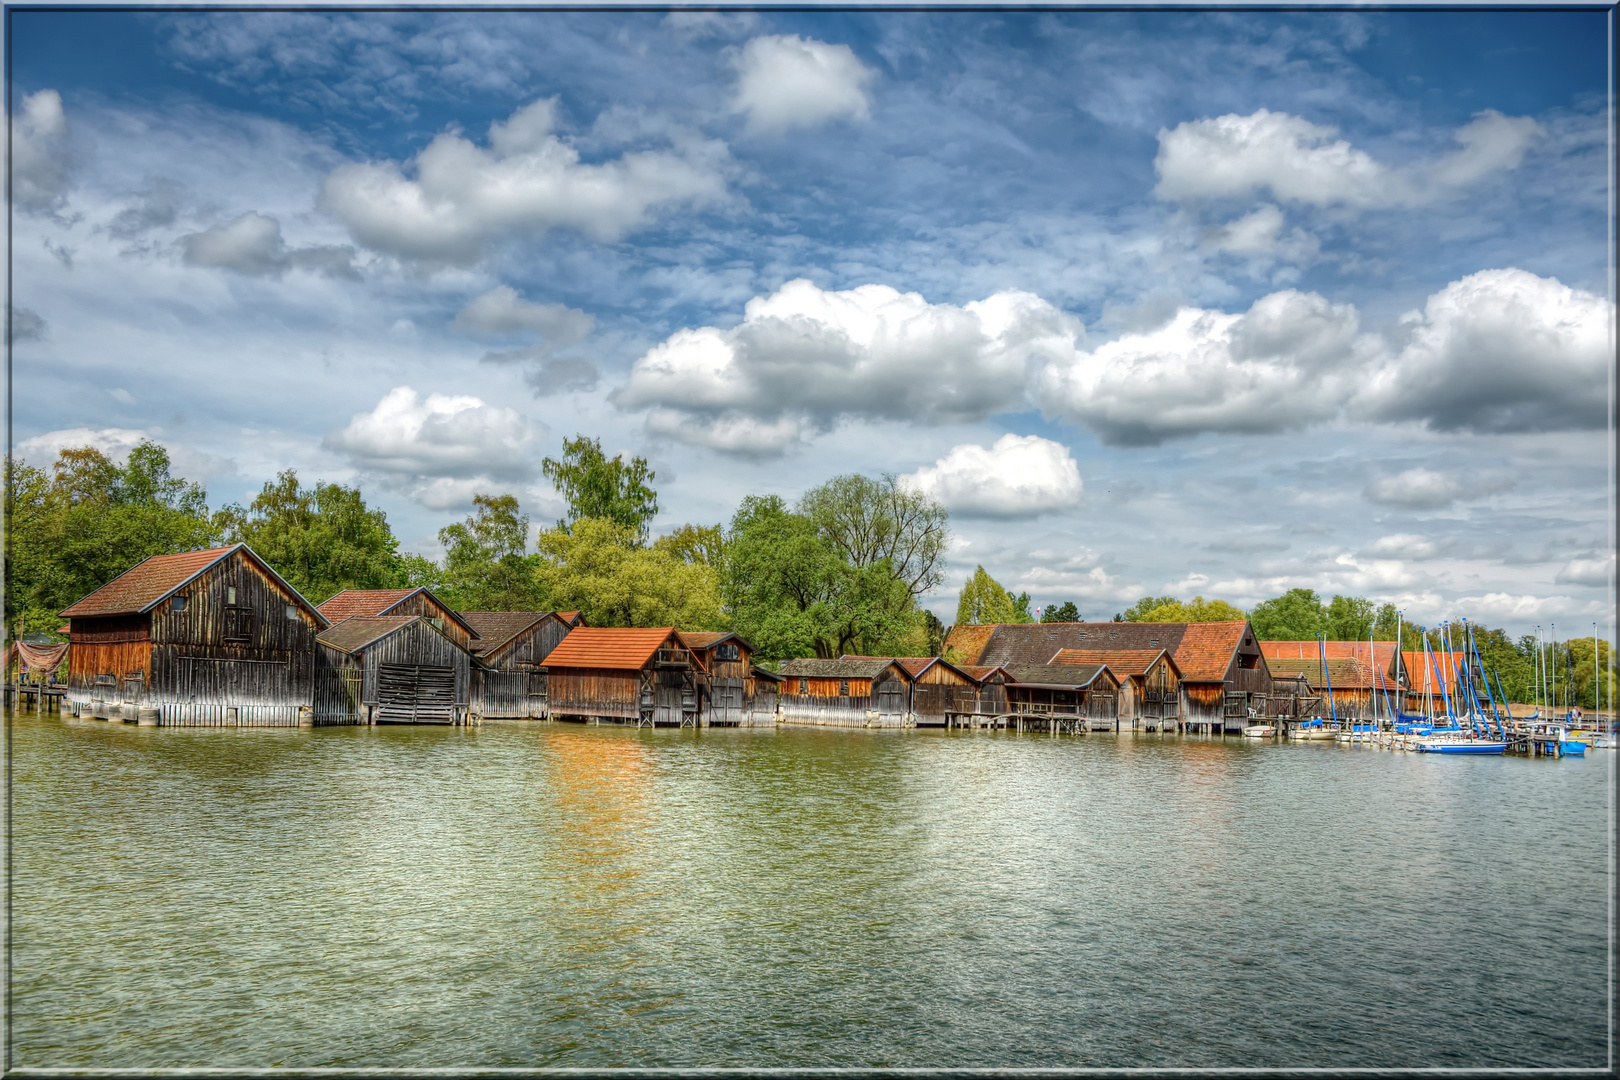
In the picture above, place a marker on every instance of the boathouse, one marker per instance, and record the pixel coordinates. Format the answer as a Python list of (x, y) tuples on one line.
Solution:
[(641, 677), (1425, 680), (509, 677), (391, 669), (212, 637), (1063, 697), (845, 693), (1366, 676), (1149, 683), (1224, 678), (417, 601), (736, 693), (990, 694), (942, 694)]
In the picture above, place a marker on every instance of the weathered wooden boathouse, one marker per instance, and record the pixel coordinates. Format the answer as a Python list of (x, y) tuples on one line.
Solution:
[(212, 637), (735, 692), (1071, 698), (391, 669), (626, 676), (990, 706), (1363, 674), (845, 693), (1149, 684), (942, 694), (417, 601), (509, 678), (1224, 678)]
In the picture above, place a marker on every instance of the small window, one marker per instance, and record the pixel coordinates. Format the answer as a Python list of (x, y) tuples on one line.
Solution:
[(230, 594), (178, 604), (137, 676), (843, 688), (728, 651), (804, 686), (238, 624), (292, 612), (438, 622), (1153, 641), (106, 678)]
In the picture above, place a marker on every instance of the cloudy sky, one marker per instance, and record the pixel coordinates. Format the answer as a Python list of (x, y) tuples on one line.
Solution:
[(1164, 302)]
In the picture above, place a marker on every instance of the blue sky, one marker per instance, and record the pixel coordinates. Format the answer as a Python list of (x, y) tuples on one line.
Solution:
[(1157, 302)]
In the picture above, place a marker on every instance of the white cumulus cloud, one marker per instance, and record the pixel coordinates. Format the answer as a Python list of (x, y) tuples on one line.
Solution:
[(252, 244), (44, 156), (438, 448), (501, 311), (1500, 351), (786, 82), (1282, 364), (1018, 476), (805, 358), (1236, 156), (1401, 546), (455, 197), (1596, 571), (1426, 489)]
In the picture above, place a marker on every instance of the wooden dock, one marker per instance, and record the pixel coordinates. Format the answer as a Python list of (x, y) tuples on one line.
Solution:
[(25, 695)]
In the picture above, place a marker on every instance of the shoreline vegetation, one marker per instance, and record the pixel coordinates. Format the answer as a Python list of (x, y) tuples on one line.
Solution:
[(842, 571)]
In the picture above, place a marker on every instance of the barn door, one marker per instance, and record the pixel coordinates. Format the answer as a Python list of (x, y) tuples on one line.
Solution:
[(415, 694), (891, 698)]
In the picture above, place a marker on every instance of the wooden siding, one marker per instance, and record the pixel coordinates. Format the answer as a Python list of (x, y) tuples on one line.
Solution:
[(869, 703), (583, 693), (104, 653), (424, 605), (514, 695), (347, 683)]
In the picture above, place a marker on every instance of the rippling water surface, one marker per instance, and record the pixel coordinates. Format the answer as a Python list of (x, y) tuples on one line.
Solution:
[(568, 896)]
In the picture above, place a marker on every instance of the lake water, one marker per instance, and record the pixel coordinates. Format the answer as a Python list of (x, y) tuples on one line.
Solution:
[(555, 895)]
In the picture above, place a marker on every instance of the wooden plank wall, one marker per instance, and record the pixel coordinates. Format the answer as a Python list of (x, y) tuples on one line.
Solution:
[(418, 643), (595, 692), (421, 604)]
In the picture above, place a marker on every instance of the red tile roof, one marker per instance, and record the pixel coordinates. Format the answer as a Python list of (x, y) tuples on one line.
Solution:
[(613, 648), (1443, 670), (1206, 649), (1382, 652), (967, 641), (1122, 662), (362, 602), (146, 583), (571, 617)]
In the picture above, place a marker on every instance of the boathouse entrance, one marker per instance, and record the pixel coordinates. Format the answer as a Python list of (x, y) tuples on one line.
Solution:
[(415, 694)]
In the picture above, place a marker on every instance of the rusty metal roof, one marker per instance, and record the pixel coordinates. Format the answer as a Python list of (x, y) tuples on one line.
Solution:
[(381, 602), (813, 667), (614, 648), (147, 584), (1122, 662), (496, 629), (357, 631)]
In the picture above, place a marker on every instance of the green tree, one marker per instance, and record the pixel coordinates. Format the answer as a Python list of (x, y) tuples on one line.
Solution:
[(597, 486), (1195, 610), (1064, 612), (91, 522), (984, 600), (1138, 612), (1386, 622), (695, 544), (1296, 615), (486, 562), (1349, 618), (600, 568), (321, 540), (882, 521)]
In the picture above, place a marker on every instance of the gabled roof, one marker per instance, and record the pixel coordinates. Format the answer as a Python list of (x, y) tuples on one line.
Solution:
[(381, 602), (147, 584), (357, 631), (813, 667), (612, 648), (1206, 649), (914, 665), (1383, 653), (980, 672), (705, 640), (1060, 676), (1203, 651), (496, 629), (572, 617), (1122, 662)]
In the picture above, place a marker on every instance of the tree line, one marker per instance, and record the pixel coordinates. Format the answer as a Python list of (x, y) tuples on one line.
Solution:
[(842, 570)]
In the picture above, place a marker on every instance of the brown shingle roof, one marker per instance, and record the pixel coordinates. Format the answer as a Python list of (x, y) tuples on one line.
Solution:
[(1202, 651), (1346, 672), (148, 583), (1205, 650), (357, 631), (979, 672), (813, 667), (145, 584), (1122, 662), (1066, 676), (968, 640), (602, 647), (362, 602), (496, 628)]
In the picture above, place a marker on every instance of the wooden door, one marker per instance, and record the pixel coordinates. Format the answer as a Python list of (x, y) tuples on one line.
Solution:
[(416, 694)]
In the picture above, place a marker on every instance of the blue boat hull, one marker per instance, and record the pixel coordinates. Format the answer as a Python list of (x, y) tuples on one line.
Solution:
[(1476, 747)]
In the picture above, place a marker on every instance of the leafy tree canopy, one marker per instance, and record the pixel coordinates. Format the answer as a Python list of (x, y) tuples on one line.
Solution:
[(321, 540), (1195, 610), (984, 600), (599, 487), (1138, 611), (882, 521), (1297, 615), (1064, 612), (598, 567), (486, 561), (695, 544)]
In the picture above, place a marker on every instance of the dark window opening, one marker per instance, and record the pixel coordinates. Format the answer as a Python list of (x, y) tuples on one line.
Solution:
[(238, 623), (843, 688), (178, 604), (804, 686), (727, 651)]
